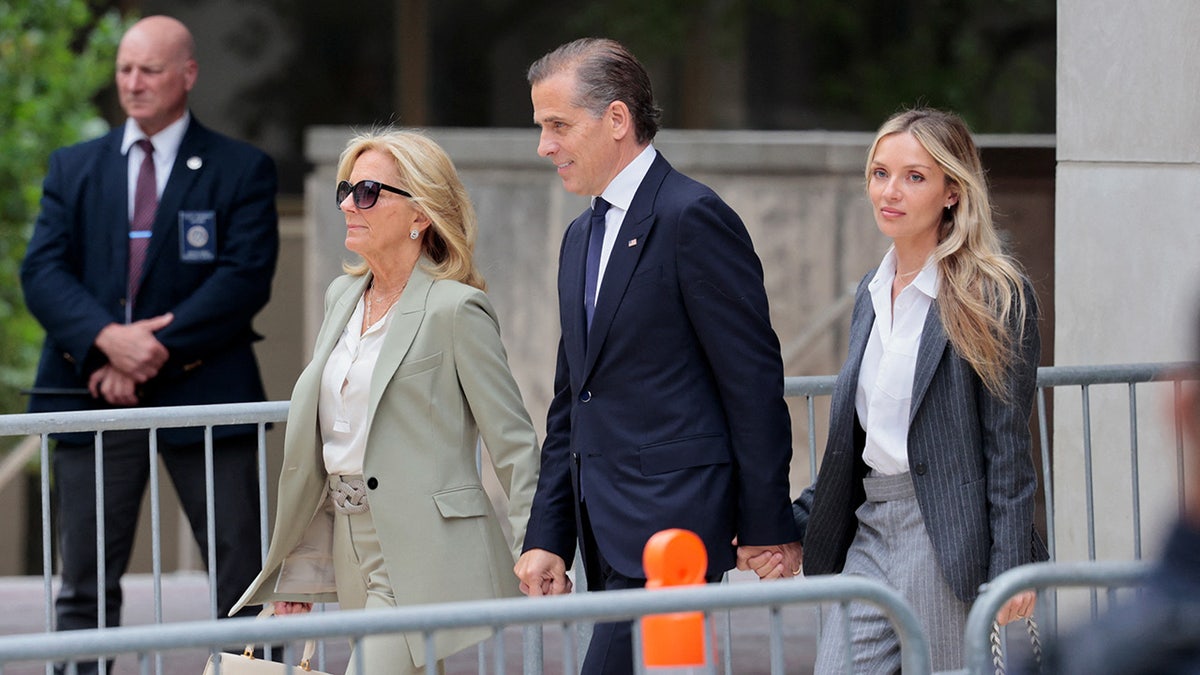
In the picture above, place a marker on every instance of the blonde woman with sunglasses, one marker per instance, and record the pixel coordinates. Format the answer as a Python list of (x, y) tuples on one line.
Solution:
[(380, 502)]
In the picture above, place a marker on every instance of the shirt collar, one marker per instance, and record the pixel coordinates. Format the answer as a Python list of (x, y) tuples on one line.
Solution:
[(623, 187), (927, 281), (166, 142)]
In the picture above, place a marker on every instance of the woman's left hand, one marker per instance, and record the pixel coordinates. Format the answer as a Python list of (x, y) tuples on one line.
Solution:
[(284, 607), (1019, 607)]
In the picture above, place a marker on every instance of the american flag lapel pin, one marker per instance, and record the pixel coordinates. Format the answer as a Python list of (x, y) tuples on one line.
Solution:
[(632, 242)]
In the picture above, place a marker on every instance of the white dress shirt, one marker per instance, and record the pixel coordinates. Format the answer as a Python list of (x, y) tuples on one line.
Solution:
[(166, 148), (619, 195), (345, 393), (883, 400)]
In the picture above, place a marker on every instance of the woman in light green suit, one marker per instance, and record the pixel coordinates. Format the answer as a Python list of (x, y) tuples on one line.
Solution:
[(380, 501)]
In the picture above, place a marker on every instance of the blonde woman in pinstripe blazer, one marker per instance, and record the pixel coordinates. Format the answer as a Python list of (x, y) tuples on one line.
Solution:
[(380, 500), (927, 481)]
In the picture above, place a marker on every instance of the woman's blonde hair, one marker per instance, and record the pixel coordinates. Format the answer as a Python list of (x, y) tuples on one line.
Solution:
[(428, 174), (982, 296)]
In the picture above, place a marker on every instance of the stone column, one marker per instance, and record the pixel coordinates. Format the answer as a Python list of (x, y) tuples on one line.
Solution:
[(1127, 253)]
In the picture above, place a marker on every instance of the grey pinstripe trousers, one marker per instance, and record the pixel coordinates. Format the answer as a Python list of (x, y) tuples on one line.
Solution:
[(893, 546)]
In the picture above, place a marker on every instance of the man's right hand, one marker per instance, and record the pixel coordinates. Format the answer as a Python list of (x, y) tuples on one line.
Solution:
[(133, 349), (542, 573)]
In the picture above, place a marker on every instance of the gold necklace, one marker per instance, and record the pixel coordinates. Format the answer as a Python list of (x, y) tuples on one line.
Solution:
[(387, 298)]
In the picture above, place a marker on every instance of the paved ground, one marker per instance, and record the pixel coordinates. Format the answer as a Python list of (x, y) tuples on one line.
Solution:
[(22, 610)]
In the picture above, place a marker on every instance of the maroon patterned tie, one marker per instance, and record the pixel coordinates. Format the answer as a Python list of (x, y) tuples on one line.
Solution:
[(145, 203)]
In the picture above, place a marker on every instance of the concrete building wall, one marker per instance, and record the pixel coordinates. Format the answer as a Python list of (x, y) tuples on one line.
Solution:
[(1127, 248)]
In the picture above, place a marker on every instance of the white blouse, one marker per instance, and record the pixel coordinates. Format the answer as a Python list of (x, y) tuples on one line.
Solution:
[(885, 378), (345, 393)]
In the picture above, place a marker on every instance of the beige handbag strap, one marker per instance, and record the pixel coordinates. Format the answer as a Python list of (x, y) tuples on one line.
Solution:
[(310, 646)]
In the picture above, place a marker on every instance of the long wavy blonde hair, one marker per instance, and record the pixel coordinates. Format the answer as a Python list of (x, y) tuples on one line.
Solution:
[(982, 299), (427, 172)]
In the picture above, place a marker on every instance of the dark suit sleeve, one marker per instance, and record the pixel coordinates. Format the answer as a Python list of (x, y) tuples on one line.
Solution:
[(241, 283), (723, 291), (51, 270), (552, 517), (1012, 478), (802, 509)]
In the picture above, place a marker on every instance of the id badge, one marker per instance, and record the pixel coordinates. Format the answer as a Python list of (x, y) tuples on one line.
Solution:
[(197, 236)]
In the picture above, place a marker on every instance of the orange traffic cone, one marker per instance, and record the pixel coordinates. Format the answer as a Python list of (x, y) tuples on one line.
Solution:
[(674, 557)]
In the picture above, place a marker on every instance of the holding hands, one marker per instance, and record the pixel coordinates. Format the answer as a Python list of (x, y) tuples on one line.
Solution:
[(781, 561), (542, 573)]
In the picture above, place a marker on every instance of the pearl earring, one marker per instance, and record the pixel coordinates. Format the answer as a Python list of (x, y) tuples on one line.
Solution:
[(414, 234)]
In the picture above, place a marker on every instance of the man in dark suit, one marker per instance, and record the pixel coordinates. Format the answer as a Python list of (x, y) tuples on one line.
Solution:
[(668, 407), (154, 249)]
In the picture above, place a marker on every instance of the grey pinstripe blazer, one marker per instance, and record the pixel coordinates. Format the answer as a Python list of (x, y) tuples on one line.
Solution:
[(969, 455)]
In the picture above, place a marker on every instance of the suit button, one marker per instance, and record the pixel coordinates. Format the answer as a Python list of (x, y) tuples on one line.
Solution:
[(921, 469), (585, 396), (372, 482)]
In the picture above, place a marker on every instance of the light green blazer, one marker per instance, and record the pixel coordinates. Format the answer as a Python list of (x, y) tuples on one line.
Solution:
[(441, 381)]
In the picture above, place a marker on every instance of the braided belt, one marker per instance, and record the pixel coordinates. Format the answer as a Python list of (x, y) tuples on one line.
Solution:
[(349, 494)]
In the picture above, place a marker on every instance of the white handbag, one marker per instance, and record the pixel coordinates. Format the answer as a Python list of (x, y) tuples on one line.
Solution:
[(246, 663)]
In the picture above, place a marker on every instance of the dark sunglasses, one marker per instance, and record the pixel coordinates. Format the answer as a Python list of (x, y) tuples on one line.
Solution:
[(366, 192)]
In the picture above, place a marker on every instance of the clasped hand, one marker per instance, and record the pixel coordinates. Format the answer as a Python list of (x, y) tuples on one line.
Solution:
[(780, 561), (542, 573), (134, 356)]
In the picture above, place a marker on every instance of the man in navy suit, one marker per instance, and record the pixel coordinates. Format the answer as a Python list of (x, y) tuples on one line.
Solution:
[(668, 407), (147, 263)]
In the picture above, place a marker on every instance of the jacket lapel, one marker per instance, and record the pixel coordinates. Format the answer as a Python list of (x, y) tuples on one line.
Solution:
[(166, 219), (307, 391), (860, 330), (406, 319), (570, 306), (114, 195), (623, 260), (929, 354), (339, 316), (861, 323)]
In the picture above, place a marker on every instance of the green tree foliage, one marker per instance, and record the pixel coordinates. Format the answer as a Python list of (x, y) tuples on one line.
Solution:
[(55, 55), (990, 60), (858, 61)]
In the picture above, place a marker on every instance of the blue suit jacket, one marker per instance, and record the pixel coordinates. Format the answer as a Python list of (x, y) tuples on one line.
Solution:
[(968, 453), (671, 414), (74, 272)]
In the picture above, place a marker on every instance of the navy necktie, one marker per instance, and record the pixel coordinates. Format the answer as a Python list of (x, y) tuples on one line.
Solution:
[(145, 203), (595, 244)]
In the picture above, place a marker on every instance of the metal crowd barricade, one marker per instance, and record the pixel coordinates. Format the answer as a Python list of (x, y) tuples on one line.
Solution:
[(1040, 577), (151, 419), (429, 619), (1049, 577), (1087, 377), (810, 388)]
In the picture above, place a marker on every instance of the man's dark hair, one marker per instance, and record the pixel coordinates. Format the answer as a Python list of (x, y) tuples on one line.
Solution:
[(605, 71)]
